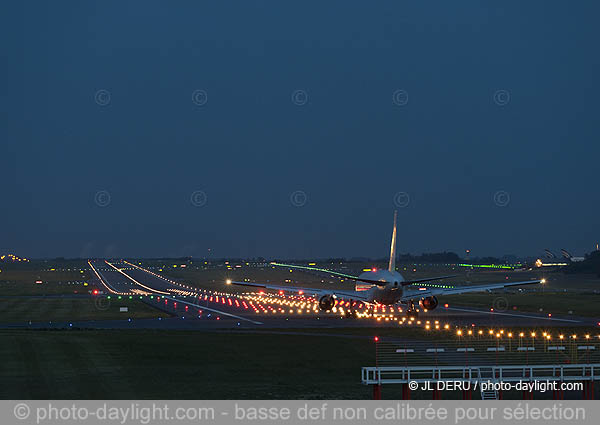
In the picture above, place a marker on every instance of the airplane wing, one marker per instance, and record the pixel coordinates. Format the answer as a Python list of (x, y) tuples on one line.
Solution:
[(354, 295), (429, 279), (331, 272), (427, 292), (359, 279)]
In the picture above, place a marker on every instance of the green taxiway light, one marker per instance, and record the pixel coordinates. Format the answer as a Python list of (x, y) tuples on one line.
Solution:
[(488, 266)]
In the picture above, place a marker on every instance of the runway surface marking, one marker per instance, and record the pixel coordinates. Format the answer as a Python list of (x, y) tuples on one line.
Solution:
[(105, 283), (136, 282), (554, 319), (214, 311)]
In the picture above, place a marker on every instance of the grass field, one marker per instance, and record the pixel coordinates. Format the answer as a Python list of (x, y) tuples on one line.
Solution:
[(18, 310), (179, 365), (22, 282), (124, 364), (580, 304)]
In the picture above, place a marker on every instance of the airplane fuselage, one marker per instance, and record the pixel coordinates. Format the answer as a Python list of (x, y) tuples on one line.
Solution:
[(389, 294)]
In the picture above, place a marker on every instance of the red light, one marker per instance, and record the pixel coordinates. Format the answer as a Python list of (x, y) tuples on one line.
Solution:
[(218, 318), (374, 269), (376, 339), (300, 292), (280, 292), (446, 305), (95, 292)]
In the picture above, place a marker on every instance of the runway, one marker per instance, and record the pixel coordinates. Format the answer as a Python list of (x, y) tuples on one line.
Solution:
[(198, 308)]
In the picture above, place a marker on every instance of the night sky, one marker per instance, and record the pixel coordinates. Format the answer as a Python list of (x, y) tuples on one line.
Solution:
[(294, 129)]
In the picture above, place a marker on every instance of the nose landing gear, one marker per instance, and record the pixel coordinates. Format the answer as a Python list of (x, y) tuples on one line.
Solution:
[(411, 311)]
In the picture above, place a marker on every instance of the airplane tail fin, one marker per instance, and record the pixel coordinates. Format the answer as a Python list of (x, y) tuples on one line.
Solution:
[(565, 253), (392, 265)]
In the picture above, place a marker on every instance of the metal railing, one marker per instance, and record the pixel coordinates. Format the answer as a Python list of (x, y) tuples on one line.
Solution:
[(506, 373), (484, 351)]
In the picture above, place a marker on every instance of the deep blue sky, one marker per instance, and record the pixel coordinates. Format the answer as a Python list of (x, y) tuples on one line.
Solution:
[(350, 148)]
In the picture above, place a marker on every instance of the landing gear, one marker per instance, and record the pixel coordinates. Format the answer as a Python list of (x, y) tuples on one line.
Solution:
[(351, 314), (411, 311), (412, 314)]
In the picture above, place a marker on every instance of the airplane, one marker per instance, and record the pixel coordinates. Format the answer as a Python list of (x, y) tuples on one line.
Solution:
[(569, 257), (387, 287)]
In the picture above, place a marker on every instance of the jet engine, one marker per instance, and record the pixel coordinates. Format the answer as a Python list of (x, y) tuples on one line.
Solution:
[(326, 302), (429, 303)]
